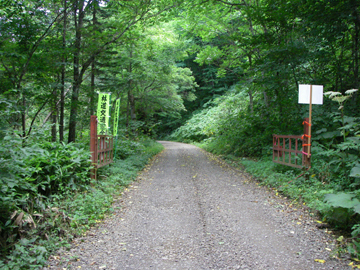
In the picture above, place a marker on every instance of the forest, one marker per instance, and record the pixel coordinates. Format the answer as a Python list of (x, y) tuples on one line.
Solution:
[(222, 74)]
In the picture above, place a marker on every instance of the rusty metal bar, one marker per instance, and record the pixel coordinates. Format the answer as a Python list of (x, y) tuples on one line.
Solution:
[(306, 140), (283, 152), (101, 148), (290, 152), (105, 150), (284, 155)]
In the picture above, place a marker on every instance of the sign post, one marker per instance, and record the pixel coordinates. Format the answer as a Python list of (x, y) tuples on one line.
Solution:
[(309, 94)]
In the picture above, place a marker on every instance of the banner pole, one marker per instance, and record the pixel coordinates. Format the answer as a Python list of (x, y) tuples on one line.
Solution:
[(310, 118), (116, 123)]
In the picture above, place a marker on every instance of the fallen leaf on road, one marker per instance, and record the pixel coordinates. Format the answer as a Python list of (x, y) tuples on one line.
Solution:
[(354, 265), (320, 261), (340, 239)]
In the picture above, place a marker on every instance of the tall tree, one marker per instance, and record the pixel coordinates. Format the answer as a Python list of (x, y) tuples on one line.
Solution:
[(130, 13), (24, 28)]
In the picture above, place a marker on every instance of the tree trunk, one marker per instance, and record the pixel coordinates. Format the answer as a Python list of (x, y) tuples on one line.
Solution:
[(93, 68), (128, 112), (23, 112), (54, 116), (251, 101), (356, 44), (131, 116), (63, 70), (92, 89), (132, 106), (251, 97), (131, 102), (78, 20), (266, 100)]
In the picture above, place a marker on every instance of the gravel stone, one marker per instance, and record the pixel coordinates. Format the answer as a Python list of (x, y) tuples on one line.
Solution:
[(188, 210)]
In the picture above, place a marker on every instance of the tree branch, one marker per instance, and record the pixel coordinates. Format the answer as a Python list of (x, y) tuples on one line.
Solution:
[(149, 85), (39, 110), (232, 4), (36, 45), (57, 103)]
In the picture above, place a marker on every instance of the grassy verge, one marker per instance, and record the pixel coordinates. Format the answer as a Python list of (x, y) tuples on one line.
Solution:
[(299, 185), (71, 214)]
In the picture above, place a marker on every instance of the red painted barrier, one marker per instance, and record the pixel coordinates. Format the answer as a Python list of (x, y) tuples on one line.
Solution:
[(101, 148), (292, 150)]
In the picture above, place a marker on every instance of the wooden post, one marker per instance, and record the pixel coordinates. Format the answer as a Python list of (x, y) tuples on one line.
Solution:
[(93, 145)]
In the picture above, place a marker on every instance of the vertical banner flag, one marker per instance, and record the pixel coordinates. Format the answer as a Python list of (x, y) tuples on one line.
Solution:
[(116, 117), (103, 113)]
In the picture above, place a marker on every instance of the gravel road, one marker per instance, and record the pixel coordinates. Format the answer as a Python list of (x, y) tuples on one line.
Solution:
[(187, 210)]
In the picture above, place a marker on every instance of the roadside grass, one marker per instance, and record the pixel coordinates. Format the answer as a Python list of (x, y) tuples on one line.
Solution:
[(300, 186), (73, 213)]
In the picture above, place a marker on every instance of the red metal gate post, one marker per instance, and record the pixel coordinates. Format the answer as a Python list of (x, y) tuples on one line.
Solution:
[(93, 145), (306, 142)]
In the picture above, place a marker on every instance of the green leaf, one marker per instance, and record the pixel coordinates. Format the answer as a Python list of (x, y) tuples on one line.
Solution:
[(342, 199), (355, 172), (330, 134), (357, 208)]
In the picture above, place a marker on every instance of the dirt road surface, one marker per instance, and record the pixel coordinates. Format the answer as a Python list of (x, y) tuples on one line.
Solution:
[(189, 211)]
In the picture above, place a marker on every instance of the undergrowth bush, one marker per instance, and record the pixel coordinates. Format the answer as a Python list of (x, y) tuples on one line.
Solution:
[(48, 198), (126, 147), (30, 176)]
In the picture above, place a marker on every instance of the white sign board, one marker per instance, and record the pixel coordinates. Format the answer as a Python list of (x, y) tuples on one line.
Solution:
[(304, 94)]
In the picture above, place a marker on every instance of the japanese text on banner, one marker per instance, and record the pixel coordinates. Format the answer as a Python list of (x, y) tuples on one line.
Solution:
[(116, 116), (103, 113)]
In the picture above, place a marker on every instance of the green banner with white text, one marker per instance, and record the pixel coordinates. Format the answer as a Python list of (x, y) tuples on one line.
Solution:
[(103, 113), (116, 117)]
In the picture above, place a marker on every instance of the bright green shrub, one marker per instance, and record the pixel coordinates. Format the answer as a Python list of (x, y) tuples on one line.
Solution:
[(126, 148), (32, 176)]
